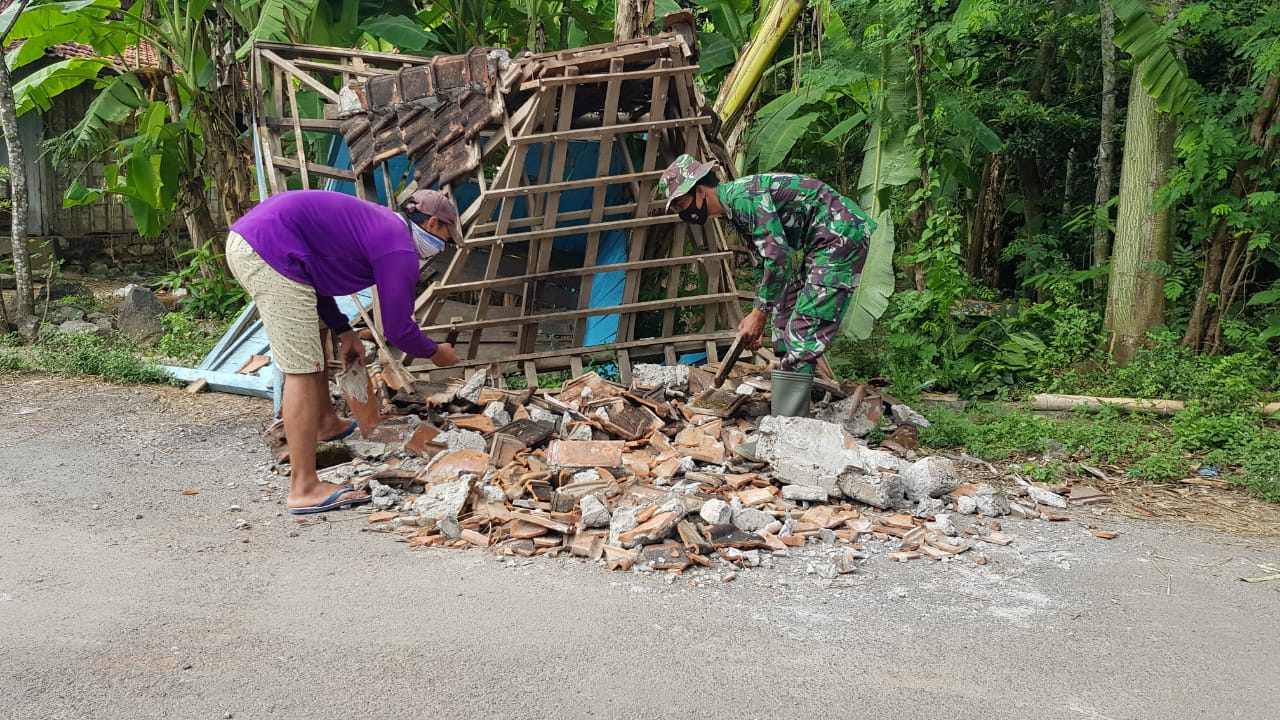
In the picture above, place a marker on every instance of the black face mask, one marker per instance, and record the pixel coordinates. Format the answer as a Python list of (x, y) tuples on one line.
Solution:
[(694, 214)]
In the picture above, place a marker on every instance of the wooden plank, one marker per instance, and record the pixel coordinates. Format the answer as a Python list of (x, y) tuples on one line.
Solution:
[(288, 66), (575, 184), (624, 366), (553, 232), (299, 140), (578, 272), (575, 314), (308, 124), (604, 161), (531, 362), (318, 169), (593, 133), (594, 78)]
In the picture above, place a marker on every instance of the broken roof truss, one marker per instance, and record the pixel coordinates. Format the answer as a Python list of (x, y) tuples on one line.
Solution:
[(569, 257)]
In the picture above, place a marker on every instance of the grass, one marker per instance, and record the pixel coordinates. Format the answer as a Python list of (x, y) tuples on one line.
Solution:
[(113, 359), (1244, 450)]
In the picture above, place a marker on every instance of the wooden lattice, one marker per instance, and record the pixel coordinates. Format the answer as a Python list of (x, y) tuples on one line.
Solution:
[(510, 134)]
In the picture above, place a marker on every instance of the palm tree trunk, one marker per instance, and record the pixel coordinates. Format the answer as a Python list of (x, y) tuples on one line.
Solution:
[(1135, 300), (632, 19), (1106, 140), (24, 303)]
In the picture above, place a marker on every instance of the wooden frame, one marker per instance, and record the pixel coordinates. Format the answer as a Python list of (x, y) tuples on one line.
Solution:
[(562, 152)]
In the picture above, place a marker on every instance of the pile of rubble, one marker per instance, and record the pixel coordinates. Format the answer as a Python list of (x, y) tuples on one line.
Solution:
[(645, 476)]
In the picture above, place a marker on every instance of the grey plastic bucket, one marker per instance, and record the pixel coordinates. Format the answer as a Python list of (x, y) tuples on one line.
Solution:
[(791, 393)]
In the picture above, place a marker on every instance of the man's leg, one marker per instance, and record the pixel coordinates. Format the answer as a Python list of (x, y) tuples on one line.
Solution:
[(782, 318), (305, 405), (289, 316), (812, 326)]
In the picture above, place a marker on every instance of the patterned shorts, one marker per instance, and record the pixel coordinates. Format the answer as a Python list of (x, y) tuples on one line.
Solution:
[(287, 308)]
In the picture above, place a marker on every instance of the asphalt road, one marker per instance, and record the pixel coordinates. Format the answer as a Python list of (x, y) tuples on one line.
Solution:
[(122, 598)]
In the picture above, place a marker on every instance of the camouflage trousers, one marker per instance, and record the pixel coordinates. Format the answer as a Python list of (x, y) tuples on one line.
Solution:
[(807, 320)]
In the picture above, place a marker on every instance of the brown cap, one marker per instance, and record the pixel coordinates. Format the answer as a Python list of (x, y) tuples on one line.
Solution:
[(435, 204)]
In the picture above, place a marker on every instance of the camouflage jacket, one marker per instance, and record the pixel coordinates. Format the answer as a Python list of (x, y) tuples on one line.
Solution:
[(785, 215)]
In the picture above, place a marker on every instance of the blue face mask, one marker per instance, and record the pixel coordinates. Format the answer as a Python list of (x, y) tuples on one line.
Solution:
[(428, 244)]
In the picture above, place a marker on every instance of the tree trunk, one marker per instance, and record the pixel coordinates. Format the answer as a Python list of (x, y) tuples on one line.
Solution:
[(1226, 257), (1135, 300), (920, 213), (24, 302), (1106, 141), (632, 19), (982, 260)]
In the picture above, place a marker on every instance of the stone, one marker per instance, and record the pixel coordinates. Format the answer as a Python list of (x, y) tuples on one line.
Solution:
[(827, 536), (472, 388), (716, 512), (64, 313), (838, 413), (98, 269), (929, 477), (904, 415), (383, 496), (445, 500), (881, 490), (751, 519), (105, 323), (581, 432), (930, 506), (944, 523), (80, 327), (594, 513), (805, 451), (1045, 497), (675, 377), (449, 527), (985, 500), (807, 493), (623, 520), (544, 417), (456, 440), (497, 411), (242, 524), (139, 315)]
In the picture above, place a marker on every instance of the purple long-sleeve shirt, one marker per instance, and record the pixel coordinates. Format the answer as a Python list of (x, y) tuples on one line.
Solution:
[(339, 245)]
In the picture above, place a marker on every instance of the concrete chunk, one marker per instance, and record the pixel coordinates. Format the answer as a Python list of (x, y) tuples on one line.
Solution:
[(716, 512), (798, 493), (929, 477), (751, 519), (594, 512), (446, 500), (881, 490), (804, 451)]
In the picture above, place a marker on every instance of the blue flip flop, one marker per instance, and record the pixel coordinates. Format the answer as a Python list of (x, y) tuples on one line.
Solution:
[(342, 435), (331, 503)]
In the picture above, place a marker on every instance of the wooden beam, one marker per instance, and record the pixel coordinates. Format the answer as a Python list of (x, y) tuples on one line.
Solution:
[(318, 169), (593, 133), (605, 77), (496, 282), (535, 235), (665, 346), (297, 72), (575, 314)]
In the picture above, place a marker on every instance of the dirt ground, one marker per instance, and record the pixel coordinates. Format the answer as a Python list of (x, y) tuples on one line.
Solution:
[(121, 597)]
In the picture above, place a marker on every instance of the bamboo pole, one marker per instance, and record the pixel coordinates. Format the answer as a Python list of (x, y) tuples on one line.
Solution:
[(1054, 401)]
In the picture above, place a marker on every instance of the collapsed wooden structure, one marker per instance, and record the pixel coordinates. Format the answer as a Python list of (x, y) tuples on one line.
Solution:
[(569, 257)]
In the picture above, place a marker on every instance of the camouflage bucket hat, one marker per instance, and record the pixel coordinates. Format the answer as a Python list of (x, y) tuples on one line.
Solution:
[(681, 175)]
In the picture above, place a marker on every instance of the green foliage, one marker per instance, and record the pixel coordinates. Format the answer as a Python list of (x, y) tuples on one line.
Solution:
[(111, 359), (12, 362), (211, 291), (1218, 384), (186, 339)]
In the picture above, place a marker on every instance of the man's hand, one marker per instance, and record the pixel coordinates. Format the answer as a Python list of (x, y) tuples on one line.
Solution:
[(752, 328), (350, 349), (444, 356)]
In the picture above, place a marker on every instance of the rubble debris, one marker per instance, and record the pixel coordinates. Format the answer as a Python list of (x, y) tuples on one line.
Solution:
[(644, 477)]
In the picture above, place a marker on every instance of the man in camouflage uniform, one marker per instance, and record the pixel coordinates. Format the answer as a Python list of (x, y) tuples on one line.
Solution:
[(812, 242)]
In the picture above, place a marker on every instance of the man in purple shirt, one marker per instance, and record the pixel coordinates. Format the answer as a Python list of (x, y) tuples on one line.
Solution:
[(294, 253)]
